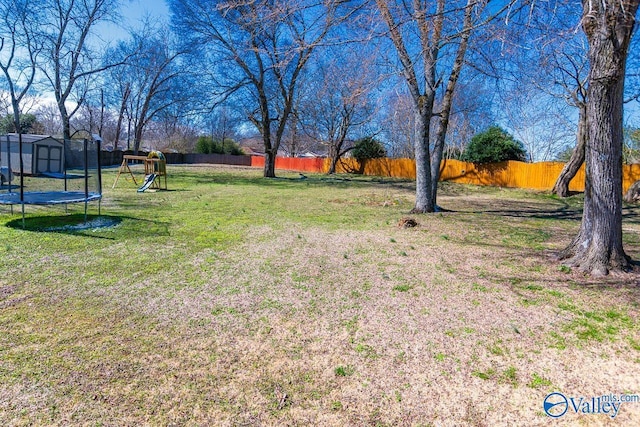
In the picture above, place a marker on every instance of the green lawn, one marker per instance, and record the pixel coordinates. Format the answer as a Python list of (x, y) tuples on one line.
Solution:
[(236, 300)]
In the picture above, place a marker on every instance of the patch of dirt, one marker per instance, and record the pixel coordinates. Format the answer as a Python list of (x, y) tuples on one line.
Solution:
[(95, 224), (451, 336), (7, 290), (407, 222), (12, 302), (6, 294)]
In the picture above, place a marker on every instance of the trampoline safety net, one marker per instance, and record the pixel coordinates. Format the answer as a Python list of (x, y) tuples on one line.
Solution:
[(51, 172)]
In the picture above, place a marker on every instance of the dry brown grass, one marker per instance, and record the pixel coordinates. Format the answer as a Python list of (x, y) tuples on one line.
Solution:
[(460, 321)]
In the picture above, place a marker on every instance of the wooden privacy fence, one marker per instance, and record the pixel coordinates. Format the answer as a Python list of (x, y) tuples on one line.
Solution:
[(536, 176), (218, 159), (300, 164)]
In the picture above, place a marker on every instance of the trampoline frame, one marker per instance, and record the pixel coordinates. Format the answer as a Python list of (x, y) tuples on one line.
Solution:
[(44, 198)]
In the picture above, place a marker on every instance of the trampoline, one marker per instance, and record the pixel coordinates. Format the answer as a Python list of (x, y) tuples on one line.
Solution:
[(48, 171), (48, 198)]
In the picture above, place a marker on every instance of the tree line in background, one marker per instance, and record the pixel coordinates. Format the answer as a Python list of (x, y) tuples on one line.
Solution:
[(423, 77), (303, 85)]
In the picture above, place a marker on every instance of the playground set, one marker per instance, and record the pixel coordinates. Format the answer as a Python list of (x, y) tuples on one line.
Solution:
[(155, 171)]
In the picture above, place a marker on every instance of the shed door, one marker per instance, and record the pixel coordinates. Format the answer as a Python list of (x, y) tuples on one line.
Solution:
[(55, 159), (48, 159)]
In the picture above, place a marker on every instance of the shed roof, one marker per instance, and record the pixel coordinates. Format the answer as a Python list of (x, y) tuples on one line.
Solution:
[(29, 138)]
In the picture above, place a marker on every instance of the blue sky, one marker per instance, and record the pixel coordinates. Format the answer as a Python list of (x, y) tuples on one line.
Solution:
[(132, 12), (135, 9)]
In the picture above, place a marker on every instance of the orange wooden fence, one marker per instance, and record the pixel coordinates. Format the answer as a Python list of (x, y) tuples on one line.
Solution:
[(537, 176), (293, 163)]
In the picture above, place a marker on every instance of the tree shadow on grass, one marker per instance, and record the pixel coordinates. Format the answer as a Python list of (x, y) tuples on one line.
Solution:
[(630, 214), (561, 213), (617, 284), (521, 209), (291, 178)]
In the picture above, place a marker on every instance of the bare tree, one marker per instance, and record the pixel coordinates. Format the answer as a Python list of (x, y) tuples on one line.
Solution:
[(540, 69), (539, 121), (222, 123), (72, 62), (598, 248), (293, 143), (157, 93), (171, 131), (19, 49), (575, 69), (398, 124), (338, 100), (258, 50), (124, 100), (49, 116), (472, 112), (93, 117), (422, 33), (150, 80), (562, 54), (571, 167)]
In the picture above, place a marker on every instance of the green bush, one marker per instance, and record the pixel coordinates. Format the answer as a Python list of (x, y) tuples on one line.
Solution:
[(206, 145), (368, 148), (28, 124), (236, 150), (494, 145)]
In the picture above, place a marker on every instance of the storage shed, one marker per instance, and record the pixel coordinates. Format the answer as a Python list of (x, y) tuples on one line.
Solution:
[(41, 154)]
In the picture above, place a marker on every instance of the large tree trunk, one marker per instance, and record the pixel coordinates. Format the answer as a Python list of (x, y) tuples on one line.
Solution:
[(123, 107), (424, 201), (270, 163), (561, 187), (335, 148), (66, 123), (332, 166), (430, 33), (334, 155), (447, 101), (597, 248), (137, 137)]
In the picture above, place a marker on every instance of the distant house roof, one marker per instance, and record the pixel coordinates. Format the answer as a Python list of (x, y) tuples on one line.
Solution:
[(250, 151), (252, 146), (309, 154)]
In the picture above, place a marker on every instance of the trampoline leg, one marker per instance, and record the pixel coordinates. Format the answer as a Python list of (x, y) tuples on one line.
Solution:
[(85, 210), (23, 225)]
